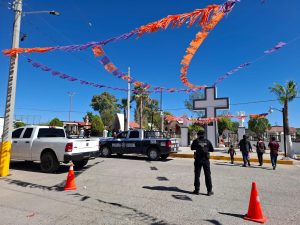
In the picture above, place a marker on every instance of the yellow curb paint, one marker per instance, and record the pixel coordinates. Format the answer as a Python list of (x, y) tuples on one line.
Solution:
[(227, 158), (5, 158)]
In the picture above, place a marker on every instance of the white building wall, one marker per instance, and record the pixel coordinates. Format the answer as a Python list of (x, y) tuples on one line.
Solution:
[(1, 127)]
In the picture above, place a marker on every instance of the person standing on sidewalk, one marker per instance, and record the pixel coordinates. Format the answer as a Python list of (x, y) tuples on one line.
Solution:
[(202, 146), (274, 147), (231, 152), (245, 148), (260, 149)]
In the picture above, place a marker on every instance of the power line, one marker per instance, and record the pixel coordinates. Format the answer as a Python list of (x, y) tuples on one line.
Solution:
[(241, 103), (66, 111)]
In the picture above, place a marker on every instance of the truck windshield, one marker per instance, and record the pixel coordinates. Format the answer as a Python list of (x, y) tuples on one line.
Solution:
[(51, 132)]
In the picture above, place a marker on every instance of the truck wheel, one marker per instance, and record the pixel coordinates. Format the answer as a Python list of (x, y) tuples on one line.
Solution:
[(80, 164), (164, 156), (105, 151), (49, 162), (153, 154)]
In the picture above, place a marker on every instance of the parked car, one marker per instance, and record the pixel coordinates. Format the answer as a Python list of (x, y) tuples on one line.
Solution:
[(148, 143), (50, 146)]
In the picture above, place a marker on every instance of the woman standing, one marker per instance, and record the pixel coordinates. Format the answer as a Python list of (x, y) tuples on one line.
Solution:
[(260, 149)]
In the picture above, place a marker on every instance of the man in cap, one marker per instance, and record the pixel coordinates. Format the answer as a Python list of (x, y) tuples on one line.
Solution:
[(202, 146)]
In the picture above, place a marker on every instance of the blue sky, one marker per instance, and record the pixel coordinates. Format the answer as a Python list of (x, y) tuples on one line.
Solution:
[(155, 58)]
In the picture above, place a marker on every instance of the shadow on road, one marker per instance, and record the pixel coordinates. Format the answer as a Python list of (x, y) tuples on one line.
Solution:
[(163, 188), (162, 178), (233, 214), (136, 214), (33, 185), (32, 168), (182, 197), (216, 222), (138, 157), (241, 165)]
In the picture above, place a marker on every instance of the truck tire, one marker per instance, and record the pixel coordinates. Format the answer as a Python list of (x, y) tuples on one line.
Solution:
[(105, 151), (80, 164), (164, 156), (49, 162), (153, 154)]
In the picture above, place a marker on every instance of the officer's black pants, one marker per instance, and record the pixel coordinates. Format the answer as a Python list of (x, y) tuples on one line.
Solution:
[(198, 164)]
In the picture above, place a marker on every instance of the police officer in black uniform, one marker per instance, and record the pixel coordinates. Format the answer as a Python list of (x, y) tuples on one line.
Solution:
[(202, 146)]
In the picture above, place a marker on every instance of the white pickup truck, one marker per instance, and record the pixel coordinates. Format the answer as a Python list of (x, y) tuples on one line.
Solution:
[(50, 146)]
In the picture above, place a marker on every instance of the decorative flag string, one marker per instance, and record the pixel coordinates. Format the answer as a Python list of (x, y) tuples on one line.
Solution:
[(66, 77), (208, 120), (111, 68), (175, 21), (244, 65), (201, 16)]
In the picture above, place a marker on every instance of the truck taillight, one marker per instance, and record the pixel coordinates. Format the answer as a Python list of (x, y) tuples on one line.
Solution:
[(168, 143), (69, 147)]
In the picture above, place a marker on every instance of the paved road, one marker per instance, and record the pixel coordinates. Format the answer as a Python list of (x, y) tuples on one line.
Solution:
[(132, 190)]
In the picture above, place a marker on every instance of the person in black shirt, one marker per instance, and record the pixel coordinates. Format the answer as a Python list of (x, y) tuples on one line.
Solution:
[(202, 146), (245, 147)]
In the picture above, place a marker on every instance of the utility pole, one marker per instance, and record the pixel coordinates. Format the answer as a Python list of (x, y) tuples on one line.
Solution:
[(11, 93), (161, 113), (71, 94), (141, 110), (128, 101)]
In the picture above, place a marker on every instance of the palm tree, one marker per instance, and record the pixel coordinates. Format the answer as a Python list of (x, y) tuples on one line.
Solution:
[(141, 97), (285, 95)]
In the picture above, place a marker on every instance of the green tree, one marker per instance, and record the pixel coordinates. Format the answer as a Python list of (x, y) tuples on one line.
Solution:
[(190, 102), (285, 95), (141, 98), (224, 123), (259, 125), (19, 124), (97, 126), (151, 112), (235, 126), (123, 106), (56, 122), (96, 123), (106, 105), (195, 128)]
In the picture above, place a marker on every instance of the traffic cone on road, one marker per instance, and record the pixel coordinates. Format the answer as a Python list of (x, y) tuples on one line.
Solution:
[(255, 212), (70, 184)]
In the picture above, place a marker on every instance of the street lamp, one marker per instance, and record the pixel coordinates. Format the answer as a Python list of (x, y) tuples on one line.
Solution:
[(11, 89), (71, 94), (271, 109), (52, 12)]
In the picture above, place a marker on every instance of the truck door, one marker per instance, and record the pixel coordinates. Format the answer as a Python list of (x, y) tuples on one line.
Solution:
[(17, 145), (118, 142), (132, 143)]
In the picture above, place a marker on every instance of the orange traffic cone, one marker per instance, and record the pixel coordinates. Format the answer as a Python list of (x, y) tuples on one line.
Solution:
[(255, 212), (70, 184)]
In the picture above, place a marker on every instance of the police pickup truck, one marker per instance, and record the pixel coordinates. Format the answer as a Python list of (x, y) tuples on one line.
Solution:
[(149, 143)]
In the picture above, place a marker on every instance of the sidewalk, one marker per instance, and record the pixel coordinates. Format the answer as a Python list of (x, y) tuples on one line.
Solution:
[(221, 154)]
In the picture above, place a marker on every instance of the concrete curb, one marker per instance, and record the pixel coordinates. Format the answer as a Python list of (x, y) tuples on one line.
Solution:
[(227, 158)]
